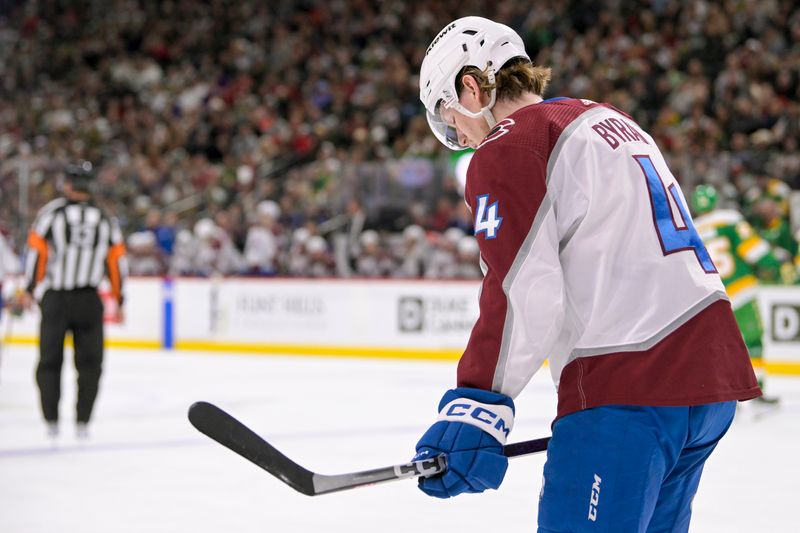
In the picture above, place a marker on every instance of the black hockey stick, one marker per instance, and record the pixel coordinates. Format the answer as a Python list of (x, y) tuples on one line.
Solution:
[(226, 430)]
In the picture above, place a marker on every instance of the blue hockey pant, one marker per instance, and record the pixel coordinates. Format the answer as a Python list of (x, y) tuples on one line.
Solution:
[(628, 469)]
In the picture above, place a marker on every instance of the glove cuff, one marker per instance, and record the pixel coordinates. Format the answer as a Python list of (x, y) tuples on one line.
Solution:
[(470, 406)]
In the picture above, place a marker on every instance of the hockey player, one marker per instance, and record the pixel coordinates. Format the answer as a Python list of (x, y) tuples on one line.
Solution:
[(412, 253), (372, 260), (184, 254), (144, 256), (766, 208), (442, 260), (296, 259), (320, 261), (590, 259), (742, 257), (468, 258), (216, 254), (261, 245), (9, 265)]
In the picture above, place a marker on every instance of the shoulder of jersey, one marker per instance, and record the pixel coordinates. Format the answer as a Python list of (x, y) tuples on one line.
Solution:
[(52, 205), (535, 121)]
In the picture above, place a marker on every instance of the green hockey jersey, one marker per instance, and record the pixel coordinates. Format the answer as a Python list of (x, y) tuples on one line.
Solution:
[(739, 253)]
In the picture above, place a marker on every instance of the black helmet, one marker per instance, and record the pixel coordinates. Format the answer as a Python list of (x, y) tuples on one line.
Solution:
[(80, 174)]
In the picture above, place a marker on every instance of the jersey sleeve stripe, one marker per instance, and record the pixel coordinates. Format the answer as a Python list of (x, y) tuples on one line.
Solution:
[(649, 343), (753, 249), (735, 288), (511, 326)]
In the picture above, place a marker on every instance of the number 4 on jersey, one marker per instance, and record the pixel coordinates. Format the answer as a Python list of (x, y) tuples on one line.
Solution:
[(675, 236), (486, 219)]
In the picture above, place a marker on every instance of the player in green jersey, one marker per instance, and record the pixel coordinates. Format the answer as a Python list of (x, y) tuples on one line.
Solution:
[(742, 257), (766, 207)]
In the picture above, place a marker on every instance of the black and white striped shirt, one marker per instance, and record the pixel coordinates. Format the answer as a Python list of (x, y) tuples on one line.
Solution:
[(72, 245)]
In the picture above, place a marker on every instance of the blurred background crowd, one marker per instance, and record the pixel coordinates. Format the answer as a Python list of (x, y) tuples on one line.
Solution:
[(287, 138)]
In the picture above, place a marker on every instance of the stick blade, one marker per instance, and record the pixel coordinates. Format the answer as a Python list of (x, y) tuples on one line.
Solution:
[(226, 430)]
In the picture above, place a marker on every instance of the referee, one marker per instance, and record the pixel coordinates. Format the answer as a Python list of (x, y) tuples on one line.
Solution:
[(71, 245)]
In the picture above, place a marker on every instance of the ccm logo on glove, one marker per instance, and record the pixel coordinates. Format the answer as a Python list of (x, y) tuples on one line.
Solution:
[(497, 420)]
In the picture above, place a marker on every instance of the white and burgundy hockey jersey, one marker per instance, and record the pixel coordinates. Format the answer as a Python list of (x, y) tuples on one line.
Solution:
[(591, 260)]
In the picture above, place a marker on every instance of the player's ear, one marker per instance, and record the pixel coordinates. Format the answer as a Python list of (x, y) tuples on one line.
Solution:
[(471, 89)]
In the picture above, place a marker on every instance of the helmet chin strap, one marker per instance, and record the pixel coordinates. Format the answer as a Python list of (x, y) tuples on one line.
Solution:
[(486, 111)]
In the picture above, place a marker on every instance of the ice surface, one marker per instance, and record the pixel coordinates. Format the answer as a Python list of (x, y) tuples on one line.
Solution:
[(145, 469)]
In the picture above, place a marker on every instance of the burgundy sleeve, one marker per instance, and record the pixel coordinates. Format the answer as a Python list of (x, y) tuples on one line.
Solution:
[(513, 177)]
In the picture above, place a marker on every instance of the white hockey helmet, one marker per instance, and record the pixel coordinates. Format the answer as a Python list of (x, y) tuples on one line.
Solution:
[(468, 246), (453, 235), (316, 245), (473, 41), (141, 239), (268, 208), (205, 228), (301, 236), (184, 237), (369, 237), (414, 233)]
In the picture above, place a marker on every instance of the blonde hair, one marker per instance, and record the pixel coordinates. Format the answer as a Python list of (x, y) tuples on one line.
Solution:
[(515, 78)]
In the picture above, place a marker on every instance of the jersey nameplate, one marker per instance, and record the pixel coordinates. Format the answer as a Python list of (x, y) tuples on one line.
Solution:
[(616, 131)]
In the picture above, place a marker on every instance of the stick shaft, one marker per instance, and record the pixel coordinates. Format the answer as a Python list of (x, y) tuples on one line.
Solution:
[(228, 431)]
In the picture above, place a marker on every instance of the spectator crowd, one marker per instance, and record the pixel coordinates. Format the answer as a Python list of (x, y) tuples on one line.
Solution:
[(286, 138)]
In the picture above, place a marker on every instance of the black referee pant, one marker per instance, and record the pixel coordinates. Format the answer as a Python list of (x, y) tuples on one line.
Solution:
[(79, 311)]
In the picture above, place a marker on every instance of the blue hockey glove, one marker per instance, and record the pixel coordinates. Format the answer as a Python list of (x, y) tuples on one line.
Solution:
[(472, 427)]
